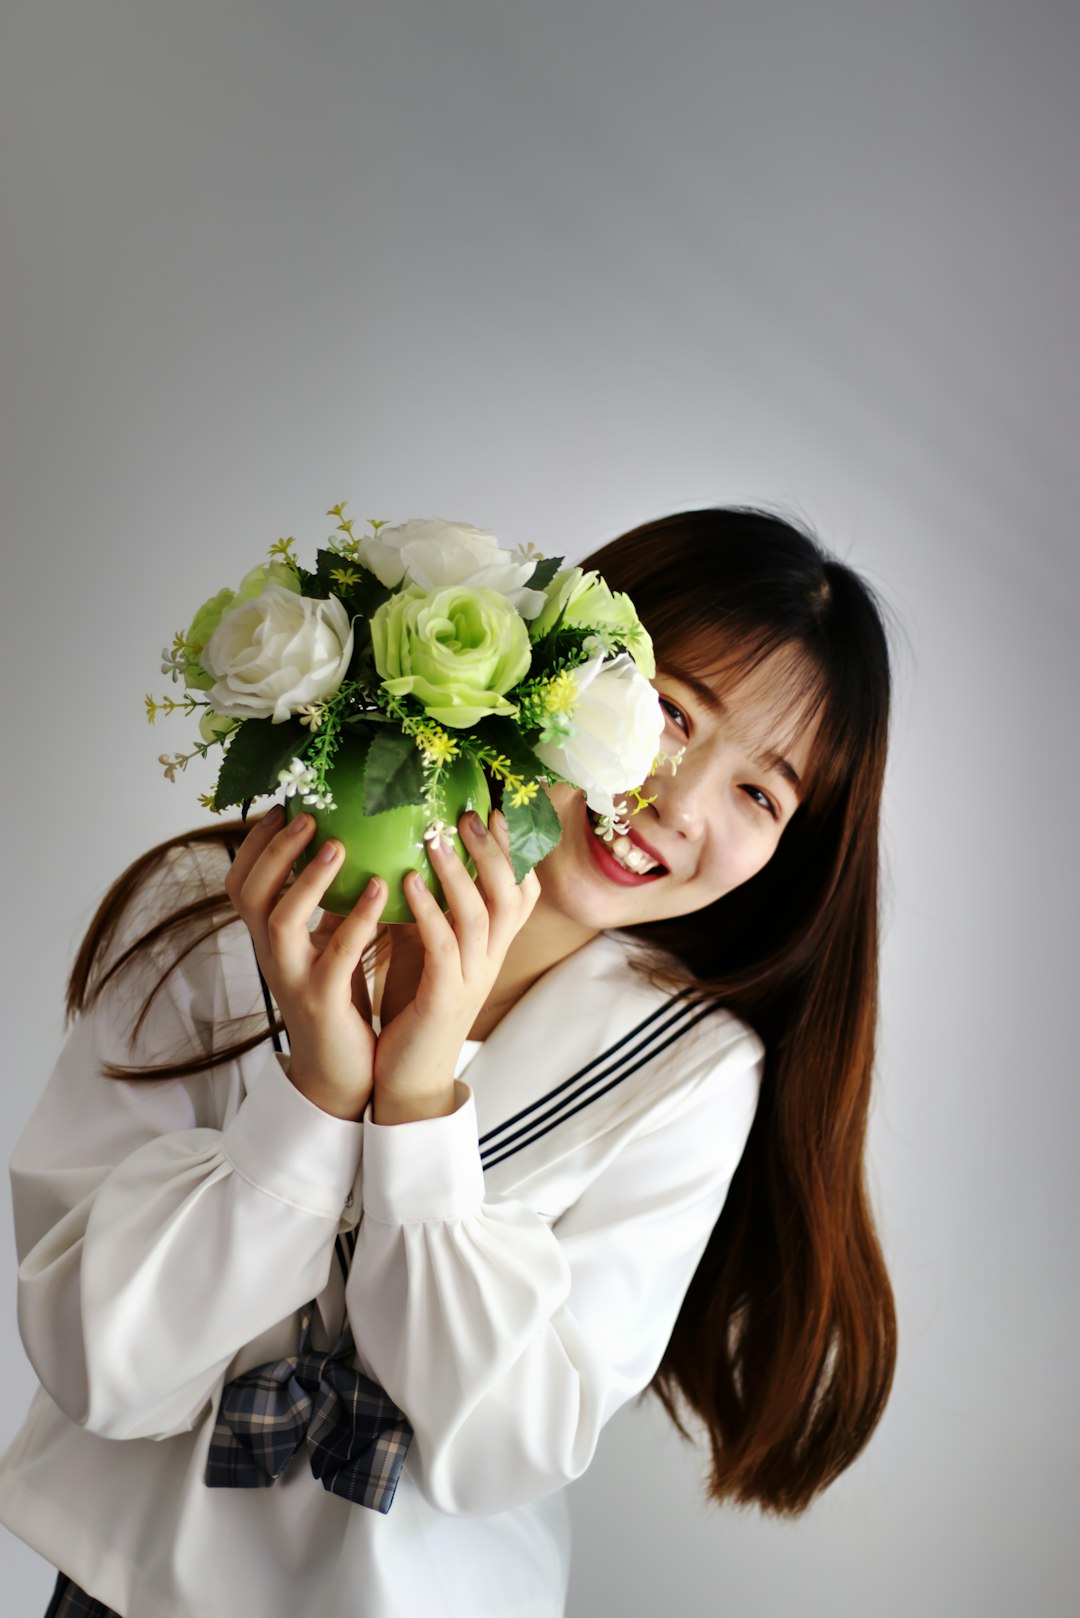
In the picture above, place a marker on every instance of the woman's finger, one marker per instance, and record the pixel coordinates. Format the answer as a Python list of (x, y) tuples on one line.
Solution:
[(490, 853), (361, 994), (511, 902), (433, 927), (255, 841), (339, 963), (320, 936), (468, 911), (259, 890), (288, 924), (328, 924)]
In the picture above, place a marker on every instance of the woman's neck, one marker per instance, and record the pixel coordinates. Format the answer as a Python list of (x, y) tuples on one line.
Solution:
[(547, 938)]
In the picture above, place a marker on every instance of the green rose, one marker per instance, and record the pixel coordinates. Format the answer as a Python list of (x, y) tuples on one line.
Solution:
[(255, 582), (558, 591), (214, 727), (211, 613), (458, 651), (203, 625), (591, 604)]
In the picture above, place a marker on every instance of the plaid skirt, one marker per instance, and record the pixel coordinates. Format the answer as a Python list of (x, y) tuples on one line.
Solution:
[(68, 1601)]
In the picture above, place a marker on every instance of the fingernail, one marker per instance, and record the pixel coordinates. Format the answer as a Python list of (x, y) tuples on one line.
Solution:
[(328, 853), (273, 815), (301, 824), (476, 824)]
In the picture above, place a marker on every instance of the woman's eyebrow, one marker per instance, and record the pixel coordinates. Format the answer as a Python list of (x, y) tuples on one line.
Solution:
[(715, 705)]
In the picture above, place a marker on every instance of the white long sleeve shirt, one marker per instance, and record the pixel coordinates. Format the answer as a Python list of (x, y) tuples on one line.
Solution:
[(517, 1271)]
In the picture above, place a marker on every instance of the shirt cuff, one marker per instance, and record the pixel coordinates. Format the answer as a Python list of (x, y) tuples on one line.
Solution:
[(290, 1148), (427, 1169)]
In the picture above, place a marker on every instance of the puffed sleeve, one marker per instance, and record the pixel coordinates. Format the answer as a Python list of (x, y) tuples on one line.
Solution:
[(152, 1245), (509, 1341)]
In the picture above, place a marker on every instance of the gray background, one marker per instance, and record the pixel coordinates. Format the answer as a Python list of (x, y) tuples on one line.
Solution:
[(555, 269)]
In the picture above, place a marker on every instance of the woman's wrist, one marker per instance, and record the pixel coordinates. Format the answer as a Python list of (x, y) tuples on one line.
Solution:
[(350, 1107), (394, 1107)]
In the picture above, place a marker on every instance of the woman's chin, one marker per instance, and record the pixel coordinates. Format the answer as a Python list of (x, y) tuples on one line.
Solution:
[(574, 883)]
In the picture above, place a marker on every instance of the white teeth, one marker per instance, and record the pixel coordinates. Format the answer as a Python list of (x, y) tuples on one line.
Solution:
[(629, 855)]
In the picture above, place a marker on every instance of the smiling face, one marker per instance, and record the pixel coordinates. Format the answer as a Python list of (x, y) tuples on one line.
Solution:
[(714, 823)]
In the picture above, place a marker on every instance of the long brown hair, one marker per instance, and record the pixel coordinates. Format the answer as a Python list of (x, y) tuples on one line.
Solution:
[(785, 1345)]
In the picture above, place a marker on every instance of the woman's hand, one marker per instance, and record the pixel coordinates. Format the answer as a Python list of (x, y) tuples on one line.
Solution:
[(442, 970), (315, 978)]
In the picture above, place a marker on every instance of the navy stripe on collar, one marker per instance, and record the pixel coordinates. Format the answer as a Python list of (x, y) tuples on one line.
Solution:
[(659, 1030)]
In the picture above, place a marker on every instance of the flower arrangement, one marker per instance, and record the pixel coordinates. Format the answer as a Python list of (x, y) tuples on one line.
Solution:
[(432, 646)]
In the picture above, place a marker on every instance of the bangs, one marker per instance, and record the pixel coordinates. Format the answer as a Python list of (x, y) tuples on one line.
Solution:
[(722, 590)]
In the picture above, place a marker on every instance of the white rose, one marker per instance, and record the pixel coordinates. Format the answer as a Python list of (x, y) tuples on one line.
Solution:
[(617, 724), (275, 652), (437, 554)]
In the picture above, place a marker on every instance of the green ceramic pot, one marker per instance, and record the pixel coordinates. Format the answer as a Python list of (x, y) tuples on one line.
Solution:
[(391, 843)]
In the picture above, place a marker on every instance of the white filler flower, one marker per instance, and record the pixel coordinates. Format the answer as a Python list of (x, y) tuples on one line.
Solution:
[(273, 654), (617, 724), (436, 554)]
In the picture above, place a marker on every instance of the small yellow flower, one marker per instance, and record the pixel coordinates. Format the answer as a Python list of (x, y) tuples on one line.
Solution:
[(560, 693), (674, 759), (151, 708), (640, 802), (283, 548), (345, 576), (436, 746), (523, 794)]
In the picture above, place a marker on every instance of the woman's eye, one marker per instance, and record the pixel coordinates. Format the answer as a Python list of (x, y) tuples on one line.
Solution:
[(766, 802), (665, 702)]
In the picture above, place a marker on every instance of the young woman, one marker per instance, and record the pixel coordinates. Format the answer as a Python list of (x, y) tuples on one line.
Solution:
[(337, 1249)]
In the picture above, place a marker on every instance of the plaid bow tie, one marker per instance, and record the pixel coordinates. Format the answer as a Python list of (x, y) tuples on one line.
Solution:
[(358, 1436)]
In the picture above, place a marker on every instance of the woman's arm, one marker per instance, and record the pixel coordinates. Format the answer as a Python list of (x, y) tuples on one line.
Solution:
[(509, 1341), (152, 1244)]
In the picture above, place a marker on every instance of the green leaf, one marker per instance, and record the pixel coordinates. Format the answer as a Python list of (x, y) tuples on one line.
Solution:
[(362, 663), (560, 646), (534, 830), (255, 755), (362, 598), (393, 774), (544, 572), (504, 736), (356, 724)]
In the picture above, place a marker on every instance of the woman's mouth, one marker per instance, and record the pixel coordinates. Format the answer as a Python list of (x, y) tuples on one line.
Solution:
[(621, 860)]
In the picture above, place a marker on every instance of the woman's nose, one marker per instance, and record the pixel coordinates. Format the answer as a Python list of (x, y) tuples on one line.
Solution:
[(681, 800)]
